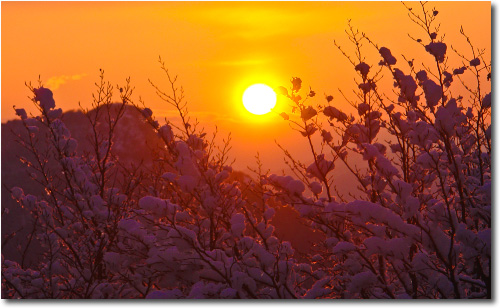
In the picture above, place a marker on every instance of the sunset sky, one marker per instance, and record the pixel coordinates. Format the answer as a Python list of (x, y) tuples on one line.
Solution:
[(217, 49)]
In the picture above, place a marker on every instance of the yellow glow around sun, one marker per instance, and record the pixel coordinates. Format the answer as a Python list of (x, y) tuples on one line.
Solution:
[(259, 99)]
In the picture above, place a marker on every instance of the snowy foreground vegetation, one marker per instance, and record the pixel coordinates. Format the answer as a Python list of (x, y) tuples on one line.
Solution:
[(184, 227)]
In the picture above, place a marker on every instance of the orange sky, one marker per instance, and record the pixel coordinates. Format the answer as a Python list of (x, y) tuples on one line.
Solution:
[(217, 49)]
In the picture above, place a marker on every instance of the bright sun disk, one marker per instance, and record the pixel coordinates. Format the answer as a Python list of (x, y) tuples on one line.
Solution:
[(259, 99)]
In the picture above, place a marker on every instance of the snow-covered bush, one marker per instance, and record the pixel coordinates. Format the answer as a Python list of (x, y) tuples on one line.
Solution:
[(420, 226), (184, 230), (185, 227), (76, 219)]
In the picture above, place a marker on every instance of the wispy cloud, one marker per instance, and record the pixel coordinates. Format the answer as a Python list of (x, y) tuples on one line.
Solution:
[(55, 82), (201, 116), (233, 63), (269, 20)]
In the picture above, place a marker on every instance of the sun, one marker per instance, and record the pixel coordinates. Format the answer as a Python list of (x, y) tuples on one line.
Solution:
[(259, 99)]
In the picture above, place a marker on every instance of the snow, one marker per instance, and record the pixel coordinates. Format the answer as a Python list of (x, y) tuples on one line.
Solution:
[(438, 50), (403, 189), (316, 188), (237, 224), (310, 130), (154, 205), (195, 142), (169, 176), (282, 90), (55, 114), (486, 103), (68, 146), (147, 113), (375, 245), (343, 248), (113, 259), (128, 224), (269, 213), (401, 123), (222, 176), (407, 84), (369, 151), (166, 133), (423, 134), (307, 113), (448, 79), (96, 201), (385, 166), (387, 56), (432, 92), (319, 289), (229, 293), (366, 87), (448, 117), (334, 113), (327, 136), (396, 148), (60, 129), (45, 98), (182, 216), (363, 280), (427, 160), (320, 168), (21, 113), (363, 69), (422, 76), (356, 133), (187, 183), (17, 193), (475, 62), (459, 71), (167, 294), (316, 258), (363, 108), (296, 187), (286, 248), (284, 116), (296, 83)]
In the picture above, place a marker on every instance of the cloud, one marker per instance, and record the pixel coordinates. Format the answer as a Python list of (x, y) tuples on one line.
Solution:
[(246, 21), (204, 117), (249, 62), (270, 20), (55, 82)]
